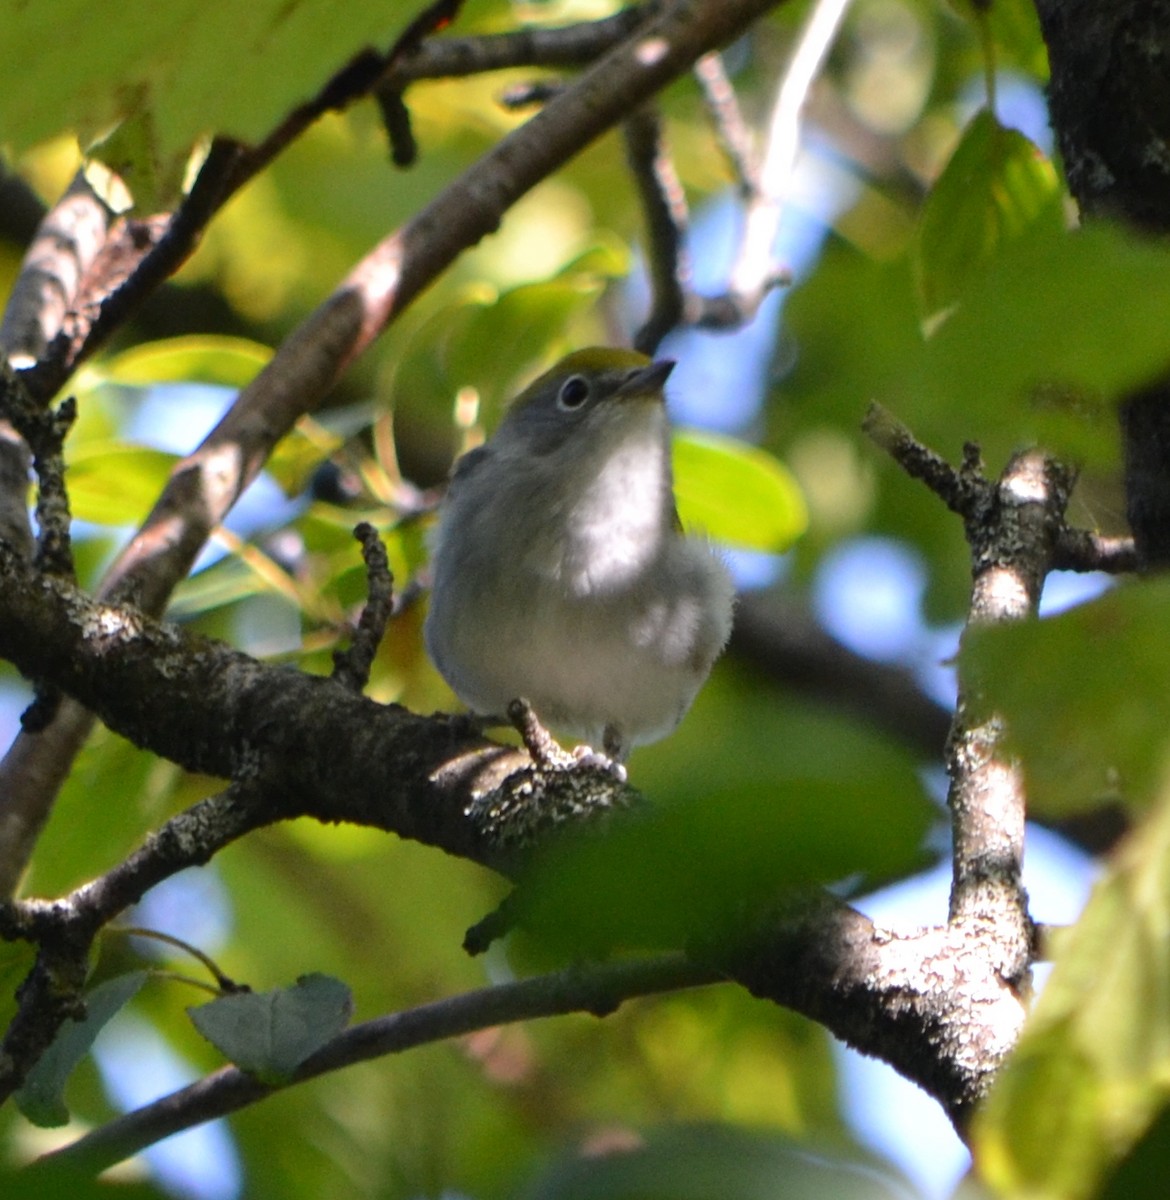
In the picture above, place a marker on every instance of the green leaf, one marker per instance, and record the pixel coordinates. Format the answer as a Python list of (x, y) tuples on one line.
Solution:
[(1084, 697), (698, 1162), (269, 1034), (16, 960), (299, 454), (227, 581), (1143, 1174), (197, 68), (50, 1179), (1054, 330), (132, 152), (1093, 1066), (666, 874), (112, 483), (736, 493), (41, 1099), (996, 184), (1015, 30), (516, 328), (198, 358)]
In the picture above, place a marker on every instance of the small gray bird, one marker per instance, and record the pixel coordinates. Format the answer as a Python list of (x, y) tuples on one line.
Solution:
[(561, 573)]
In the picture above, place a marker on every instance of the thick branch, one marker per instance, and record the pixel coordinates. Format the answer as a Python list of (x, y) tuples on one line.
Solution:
[(313, 746), (1107, 97), (1015, 528), (929, 1002)]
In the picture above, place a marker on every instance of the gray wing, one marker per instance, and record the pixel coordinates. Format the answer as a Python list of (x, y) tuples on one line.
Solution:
[(466, 465)]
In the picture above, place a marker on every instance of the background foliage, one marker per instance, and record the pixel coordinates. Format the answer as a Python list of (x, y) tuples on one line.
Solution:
[(954, 224)]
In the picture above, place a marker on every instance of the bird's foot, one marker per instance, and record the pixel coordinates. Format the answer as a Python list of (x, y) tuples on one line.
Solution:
[(586, 756), (549, 755)]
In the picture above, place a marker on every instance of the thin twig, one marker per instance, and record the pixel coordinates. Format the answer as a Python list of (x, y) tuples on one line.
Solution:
[(224, 983), (755, 271), (664, 206), (64, 929), (351, 667), (731, 130), (598, 989), (1087, 550), (958, 490), (575, 45)]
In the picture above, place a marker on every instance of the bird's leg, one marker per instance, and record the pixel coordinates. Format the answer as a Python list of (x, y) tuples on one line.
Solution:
[(547, 753), (539, 743)]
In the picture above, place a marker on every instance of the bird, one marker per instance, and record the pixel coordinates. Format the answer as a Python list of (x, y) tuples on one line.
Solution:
[(561, 575)]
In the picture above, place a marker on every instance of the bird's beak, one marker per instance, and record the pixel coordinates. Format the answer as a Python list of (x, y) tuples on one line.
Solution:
[(646, 379)]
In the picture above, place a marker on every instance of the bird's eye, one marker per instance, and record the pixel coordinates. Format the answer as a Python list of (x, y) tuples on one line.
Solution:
[(574, 392)]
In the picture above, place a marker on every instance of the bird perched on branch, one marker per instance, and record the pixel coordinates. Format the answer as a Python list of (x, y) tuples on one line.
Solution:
[(561, 572)]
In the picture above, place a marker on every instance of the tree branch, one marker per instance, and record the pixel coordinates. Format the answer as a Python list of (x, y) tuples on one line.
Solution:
[(351, 668), (205, 485), (597, 989), (931, 1003)]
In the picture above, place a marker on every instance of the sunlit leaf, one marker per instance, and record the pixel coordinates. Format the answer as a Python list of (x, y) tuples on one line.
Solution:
[(115, 484), (269, 1034), (41, 1098), (198, 358), (996, 184), (225, 582), (1084, 696), (736, 493), (133, 153), (241, 69), (1093, 1066)]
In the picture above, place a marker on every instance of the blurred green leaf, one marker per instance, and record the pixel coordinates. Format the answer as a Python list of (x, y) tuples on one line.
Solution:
[(41, 1098), (112, 483), (1084, 697), (996, 185), (50, 1180), (701, 1162), (132, 152), (230, 362), (1014, 30), (299, 454), (16, 960), (664, 874), (1142, 1175), (269, 1034), (498, 339), (1042, 344), (225, 582), (1093, 1066), (240, 72), (736, 493)]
